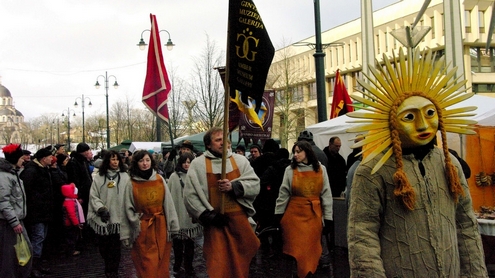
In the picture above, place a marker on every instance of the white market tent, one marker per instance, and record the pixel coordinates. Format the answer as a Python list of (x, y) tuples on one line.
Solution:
[(322, 132), (155, 146)]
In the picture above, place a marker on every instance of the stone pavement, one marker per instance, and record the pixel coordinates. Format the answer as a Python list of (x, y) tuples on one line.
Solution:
[(90, 264)]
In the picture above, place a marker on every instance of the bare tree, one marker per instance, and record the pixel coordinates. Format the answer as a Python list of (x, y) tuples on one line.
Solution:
[(206, 87), (287, 77), (176, 109), (118, 117)]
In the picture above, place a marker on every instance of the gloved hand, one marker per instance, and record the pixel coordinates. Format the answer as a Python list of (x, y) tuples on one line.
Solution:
[(328, 226), (175, 235), (126, 243), (172, 155), (276, 219), (210, 217), (104, 214)]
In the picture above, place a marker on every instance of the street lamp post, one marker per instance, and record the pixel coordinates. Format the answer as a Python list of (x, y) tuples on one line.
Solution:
[(58, 129), (170, 45), (115, 85), (321, 96), (68, 125), (82, 106), (51, 135), (318, 46)]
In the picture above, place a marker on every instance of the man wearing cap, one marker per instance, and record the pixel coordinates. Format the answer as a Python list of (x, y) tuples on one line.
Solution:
[(39, 195), (12, 212), (59, 149), (26, 156), (255, 152), (78, 172), (173, 156)]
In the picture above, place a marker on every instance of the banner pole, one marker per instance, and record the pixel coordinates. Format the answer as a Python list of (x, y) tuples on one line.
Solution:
[(226, 114)]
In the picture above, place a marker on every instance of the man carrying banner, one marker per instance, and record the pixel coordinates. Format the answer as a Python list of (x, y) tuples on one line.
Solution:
[(229, 239)]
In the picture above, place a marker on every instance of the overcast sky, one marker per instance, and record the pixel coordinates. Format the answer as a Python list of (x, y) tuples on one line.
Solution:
[(53, 50)]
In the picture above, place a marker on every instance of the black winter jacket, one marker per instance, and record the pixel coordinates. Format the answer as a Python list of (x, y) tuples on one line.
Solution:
[(39, 192)]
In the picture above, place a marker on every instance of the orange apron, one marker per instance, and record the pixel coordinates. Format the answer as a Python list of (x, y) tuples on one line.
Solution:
[(228, 250), (151, 251), (302, 221)]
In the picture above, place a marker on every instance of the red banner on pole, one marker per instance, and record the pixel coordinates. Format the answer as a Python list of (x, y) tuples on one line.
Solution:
[(156, 85), (341, 102)]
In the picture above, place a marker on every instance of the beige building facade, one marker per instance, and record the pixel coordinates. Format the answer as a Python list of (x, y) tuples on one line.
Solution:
[(293, 67)]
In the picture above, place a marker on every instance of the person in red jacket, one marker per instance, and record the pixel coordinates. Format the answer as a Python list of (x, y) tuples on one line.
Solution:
[(73, 218)]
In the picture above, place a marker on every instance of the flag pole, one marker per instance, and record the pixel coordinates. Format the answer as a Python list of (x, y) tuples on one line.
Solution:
[(226, 114)]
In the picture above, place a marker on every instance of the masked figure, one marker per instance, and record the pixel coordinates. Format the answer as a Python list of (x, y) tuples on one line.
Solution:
[(410, 212)]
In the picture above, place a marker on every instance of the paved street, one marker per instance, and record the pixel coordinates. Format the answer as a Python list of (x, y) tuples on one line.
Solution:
[(90, 264)]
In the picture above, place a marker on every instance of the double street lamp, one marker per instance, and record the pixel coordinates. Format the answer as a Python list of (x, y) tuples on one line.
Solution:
[(170, 45), (142, 45), (68, 125), (115, 85), (82, 98)]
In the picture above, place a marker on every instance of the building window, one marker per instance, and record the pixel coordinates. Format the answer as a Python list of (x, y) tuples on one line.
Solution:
[(377, 43), (481, 21), (312, 91), (281, 128), (482, 60), (300, 120), (337, 57), (443, 24), (356, 50), (298, 94), (432, 20), (386, 41), (331, 86), (467, 19), (484, 88)]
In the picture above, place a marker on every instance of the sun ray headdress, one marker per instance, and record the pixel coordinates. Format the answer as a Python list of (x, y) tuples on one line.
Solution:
[(394, 82)]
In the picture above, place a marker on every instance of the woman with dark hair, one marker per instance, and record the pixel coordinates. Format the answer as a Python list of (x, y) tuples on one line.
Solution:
[(304, 199), (150, 218), (184, 243), (106, 199)]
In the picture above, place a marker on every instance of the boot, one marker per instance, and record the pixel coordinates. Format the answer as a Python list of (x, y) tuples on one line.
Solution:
[(112, 275), (189, 268), (44, 269), (36, 272)]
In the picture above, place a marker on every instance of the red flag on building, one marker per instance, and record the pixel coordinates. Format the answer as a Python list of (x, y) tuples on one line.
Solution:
[(341, 102), (250, 52), (156, 85)]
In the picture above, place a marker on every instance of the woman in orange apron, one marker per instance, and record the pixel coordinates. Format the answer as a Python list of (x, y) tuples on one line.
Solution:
[(151, 218), (304, 201)]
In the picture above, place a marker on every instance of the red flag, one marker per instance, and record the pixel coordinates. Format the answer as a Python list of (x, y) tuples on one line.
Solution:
[(156, 85), (341, 102)]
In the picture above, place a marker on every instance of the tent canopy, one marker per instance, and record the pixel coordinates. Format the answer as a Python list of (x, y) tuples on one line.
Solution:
[(155, 146), (126, 144)]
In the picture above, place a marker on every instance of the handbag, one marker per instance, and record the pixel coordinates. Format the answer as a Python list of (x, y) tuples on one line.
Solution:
[(22, 250)]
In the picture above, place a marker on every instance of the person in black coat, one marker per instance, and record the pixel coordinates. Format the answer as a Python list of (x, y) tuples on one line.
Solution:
[(270, 183), (79, 172), (337, 169), (39, 196)]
